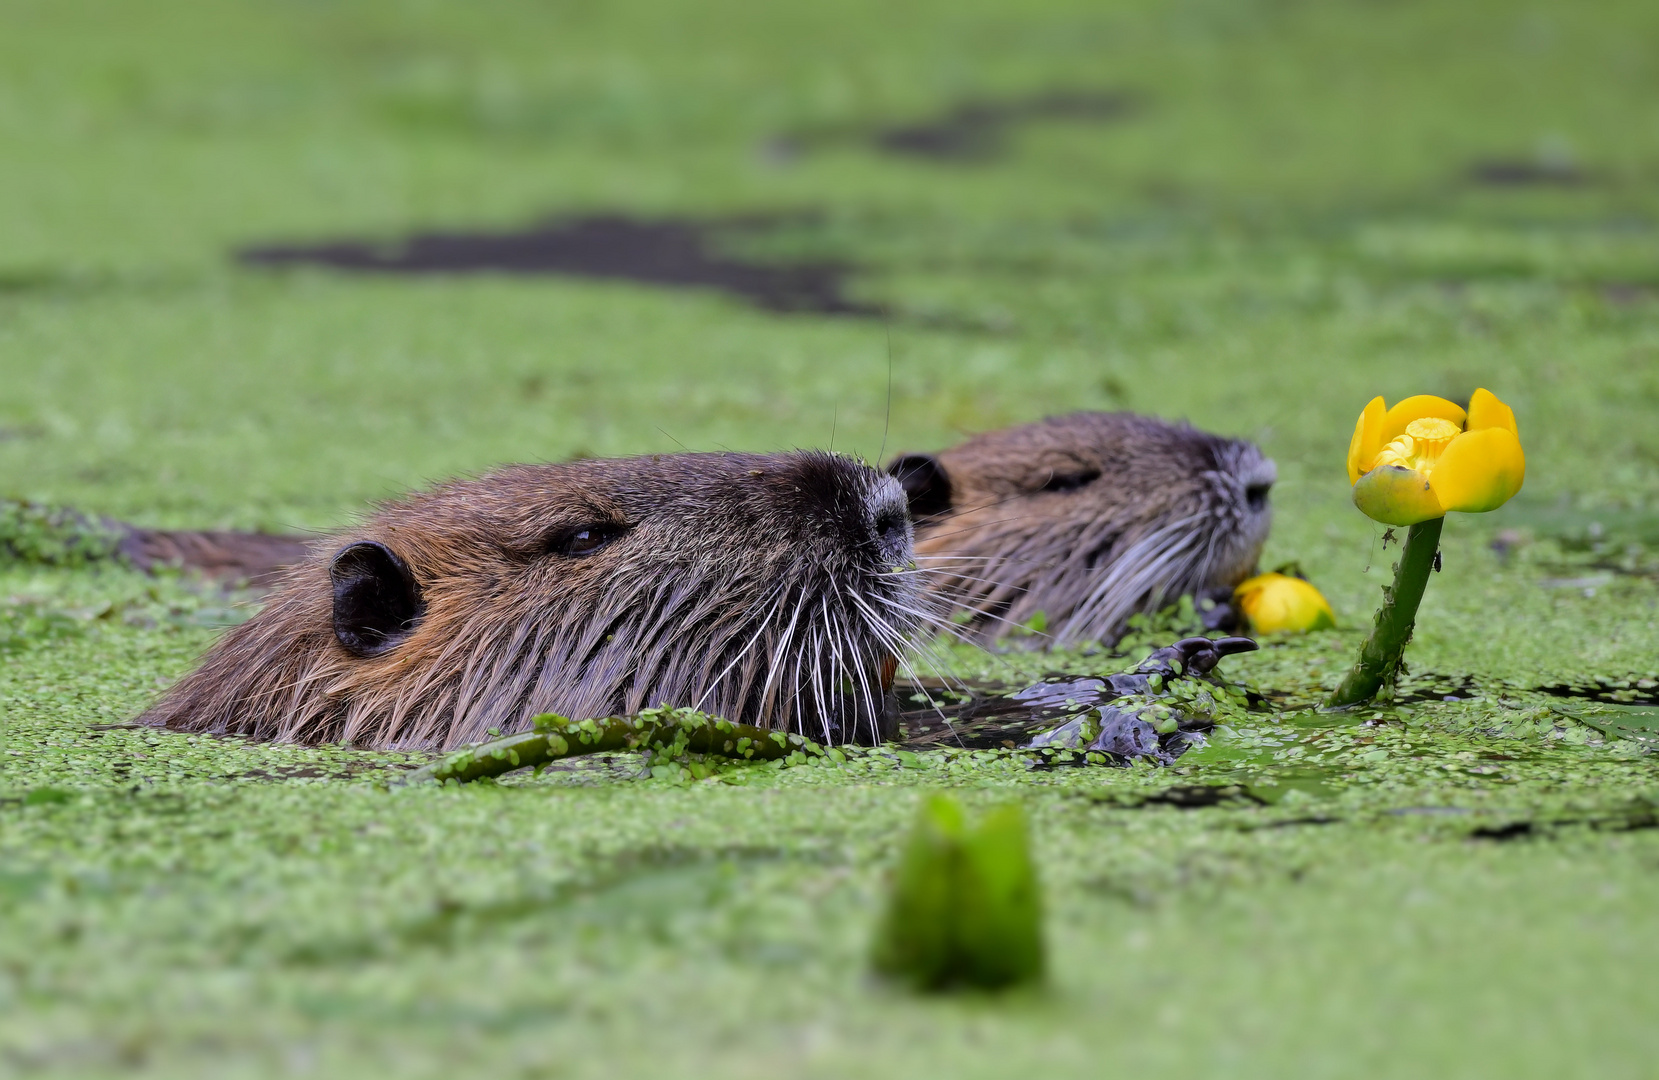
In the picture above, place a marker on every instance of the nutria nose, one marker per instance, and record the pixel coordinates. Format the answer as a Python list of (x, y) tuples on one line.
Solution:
[(890, 527), (1259, 483)]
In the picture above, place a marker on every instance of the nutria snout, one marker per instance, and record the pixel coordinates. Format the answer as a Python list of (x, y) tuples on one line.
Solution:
[(1087, 518), (773, 590)]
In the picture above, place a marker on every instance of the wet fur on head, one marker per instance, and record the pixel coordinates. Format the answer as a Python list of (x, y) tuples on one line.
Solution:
[(1087, 518), (768, 589)]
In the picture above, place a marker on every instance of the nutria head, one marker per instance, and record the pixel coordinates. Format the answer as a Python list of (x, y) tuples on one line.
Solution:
[(1088, 518), (768, 589)]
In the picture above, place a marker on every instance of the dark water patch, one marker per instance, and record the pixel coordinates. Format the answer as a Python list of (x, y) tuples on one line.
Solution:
[(1224, 796), (1521, 172), (1429, 687), (1435, 688), (1635, 690), (1637, 816), (1428, 811), (1202, 796), (1514, 830), (1291, 823), (670, 252), (970, 132), (977, 130), (1179, 797)]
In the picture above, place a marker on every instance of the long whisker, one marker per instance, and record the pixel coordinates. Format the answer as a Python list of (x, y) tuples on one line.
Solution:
[(714, 684)]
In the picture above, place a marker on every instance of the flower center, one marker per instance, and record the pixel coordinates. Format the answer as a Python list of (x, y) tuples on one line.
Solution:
[(1420, 447)]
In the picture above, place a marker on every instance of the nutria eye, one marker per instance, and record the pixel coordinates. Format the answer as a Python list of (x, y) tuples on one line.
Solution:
[(1071, 481), (583, 540), (1256, 495)]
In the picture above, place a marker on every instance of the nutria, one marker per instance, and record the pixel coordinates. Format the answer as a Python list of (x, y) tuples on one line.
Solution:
[(774, 590), (1085, 520)]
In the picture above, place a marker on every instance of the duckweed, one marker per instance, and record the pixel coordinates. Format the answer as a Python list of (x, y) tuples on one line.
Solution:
[(1296, 208)]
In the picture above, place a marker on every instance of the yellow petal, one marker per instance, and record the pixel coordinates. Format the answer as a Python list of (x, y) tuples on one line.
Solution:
[(1367, 440), (1486, 411), (1415, 408), (1278, 603), (1397, 496), (1479, 470)]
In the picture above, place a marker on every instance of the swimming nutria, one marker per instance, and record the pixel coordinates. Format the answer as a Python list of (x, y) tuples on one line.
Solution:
[(772, 590), (1087, 519)]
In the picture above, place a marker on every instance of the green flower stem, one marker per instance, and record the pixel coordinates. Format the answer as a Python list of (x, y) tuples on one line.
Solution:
[(555, 737), (1379, 659)]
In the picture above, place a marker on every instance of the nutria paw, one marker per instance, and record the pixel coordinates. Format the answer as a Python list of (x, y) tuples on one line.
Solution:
[(1115, 720)]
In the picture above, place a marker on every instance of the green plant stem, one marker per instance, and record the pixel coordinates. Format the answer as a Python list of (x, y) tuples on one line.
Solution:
[(1379, 658), (555, 737)]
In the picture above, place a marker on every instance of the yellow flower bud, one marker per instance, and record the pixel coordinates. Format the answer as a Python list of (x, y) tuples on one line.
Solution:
[(1279, 603)]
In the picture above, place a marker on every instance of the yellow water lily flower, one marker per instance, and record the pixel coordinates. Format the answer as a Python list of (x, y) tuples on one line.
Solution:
[(1278, 603), (1426, 456)]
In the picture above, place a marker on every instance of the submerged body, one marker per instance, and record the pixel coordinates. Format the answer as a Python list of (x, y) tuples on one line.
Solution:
[(256, 559), (768, 589), (1077, 522)]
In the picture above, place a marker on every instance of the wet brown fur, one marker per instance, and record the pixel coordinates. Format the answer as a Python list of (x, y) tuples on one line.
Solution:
[(762, 588), (1087, 518)]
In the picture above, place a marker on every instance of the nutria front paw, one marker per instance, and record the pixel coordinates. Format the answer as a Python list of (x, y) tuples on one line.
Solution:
[(1125, 716)]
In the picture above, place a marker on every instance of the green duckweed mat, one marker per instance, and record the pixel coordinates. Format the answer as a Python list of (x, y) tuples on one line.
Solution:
[(1289, 208)]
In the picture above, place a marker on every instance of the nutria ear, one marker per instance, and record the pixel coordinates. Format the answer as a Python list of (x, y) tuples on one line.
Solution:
[(926, 484), (376, 600)]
